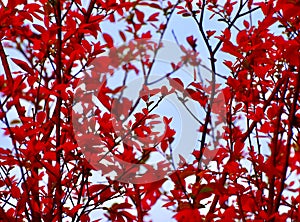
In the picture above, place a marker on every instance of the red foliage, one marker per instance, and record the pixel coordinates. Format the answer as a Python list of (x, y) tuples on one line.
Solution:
[(245, 161)]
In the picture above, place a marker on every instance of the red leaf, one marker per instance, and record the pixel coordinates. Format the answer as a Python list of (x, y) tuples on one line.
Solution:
[(249, 4), (84, 217), (112, 17), (122, 35), (164, 145), (227, 34), (228, 7), (227, 94), (150, 199), (96, 188), (98, 49), (39, 28), (74, 210), (23, 65), (246, 24), (153, 17), (15, 192), (238, 149), (228, 64), (192, 42), (146, 35), (232, 167), (40, 117), (32, 7), (209, 33), (242, 38), (108, 39), (197, 96), (176, 83), (229, 213), (140, 16), (50, 155), (168, 204), (231, 49), (186, 215)]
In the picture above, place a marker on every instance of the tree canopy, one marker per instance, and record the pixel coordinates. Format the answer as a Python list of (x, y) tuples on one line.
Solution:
[(110, 108)]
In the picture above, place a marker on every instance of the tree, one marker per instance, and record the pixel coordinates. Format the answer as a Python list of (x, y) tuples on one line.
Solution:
[(63, 158)]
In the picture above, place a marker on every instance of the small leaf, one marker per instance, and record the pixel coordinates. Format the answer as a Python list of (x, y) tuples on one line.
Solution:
[(108, 39), (246, 24), (177, 84), (39, 28), (15, 192), (210, 33), (23, 65), (153, 17), (140, 16), (122, 35), (40, 117), (191, 41)]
